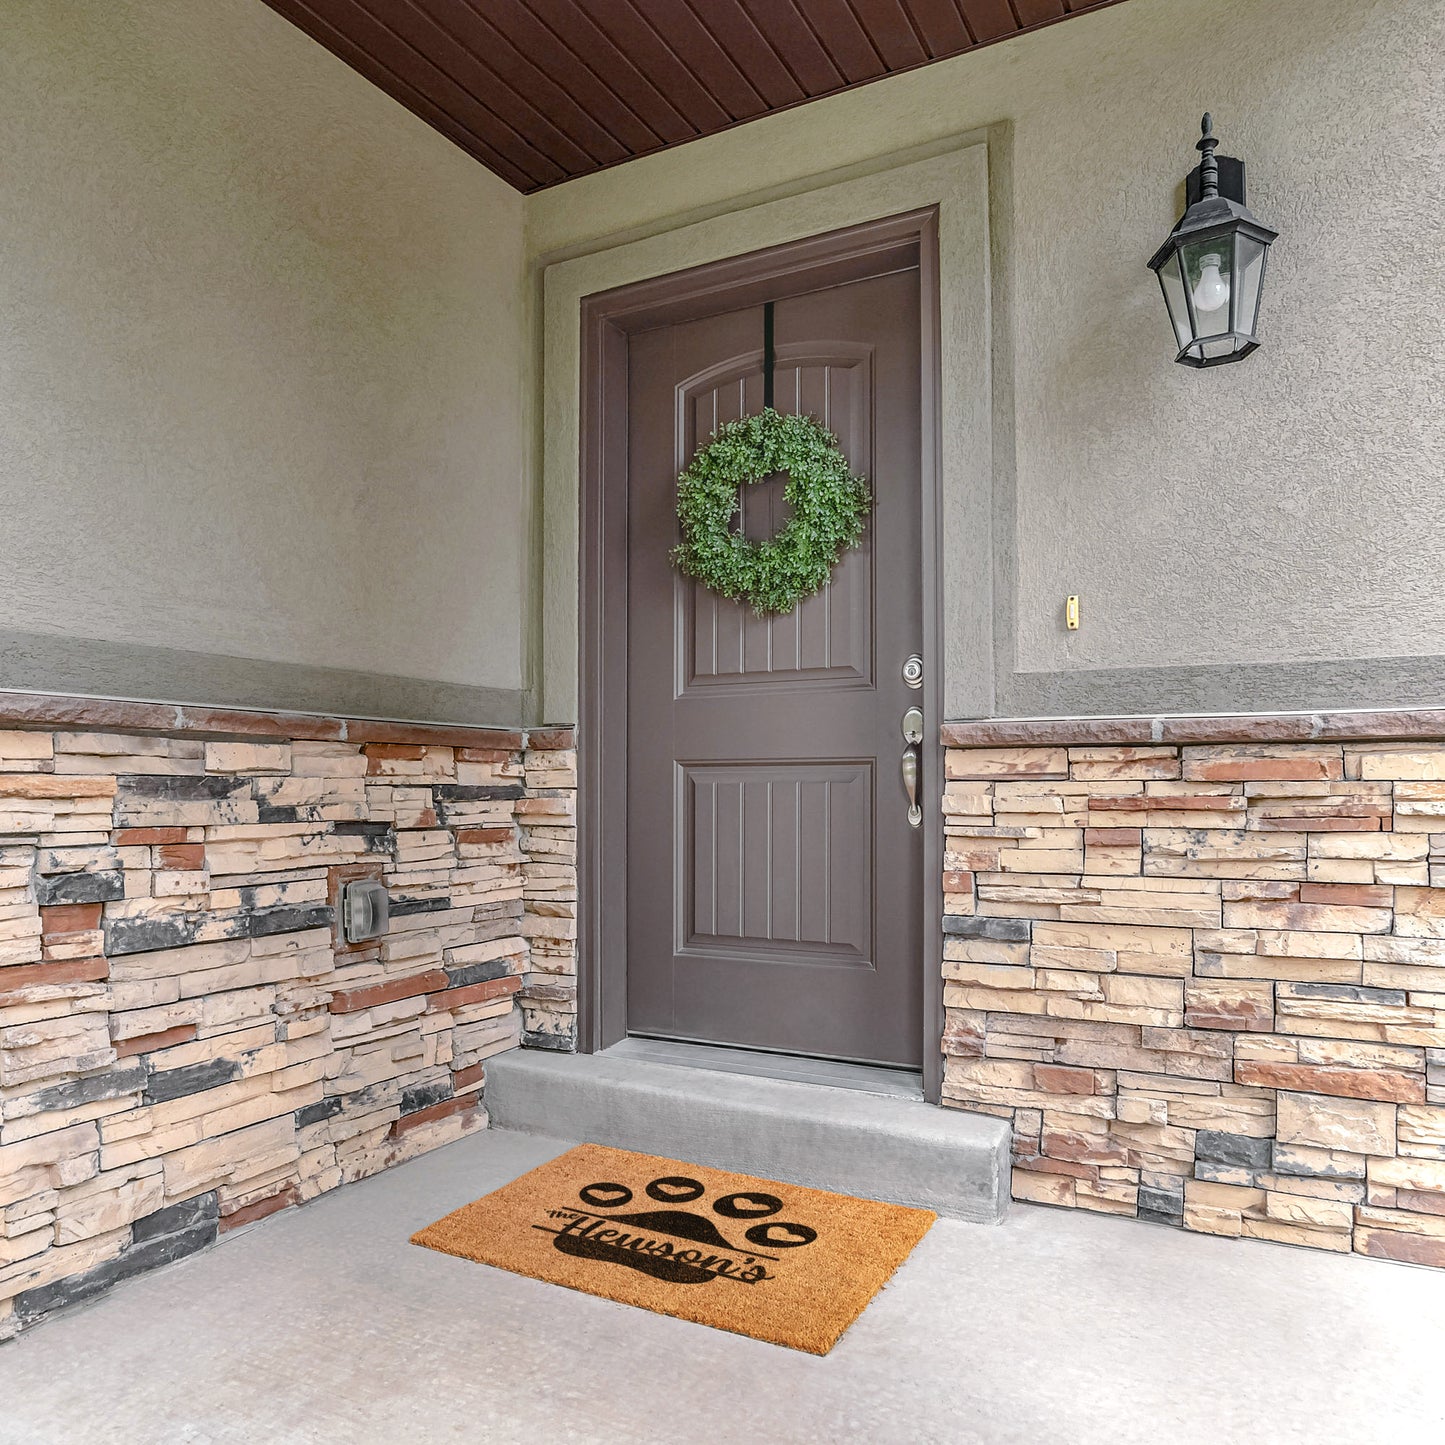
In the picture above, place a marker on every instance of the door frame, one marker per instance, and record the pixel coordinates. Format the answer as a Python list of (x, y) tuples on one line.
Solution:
[(608, 318)]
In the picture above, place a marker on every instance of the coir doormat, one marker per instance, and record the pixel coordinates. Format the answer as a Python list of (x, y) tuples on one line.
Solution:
[(775, 1261)]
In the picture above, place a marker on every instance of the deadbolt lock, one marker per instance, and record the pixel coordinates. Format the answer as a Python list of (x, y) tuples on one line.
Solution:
[(913, 670)]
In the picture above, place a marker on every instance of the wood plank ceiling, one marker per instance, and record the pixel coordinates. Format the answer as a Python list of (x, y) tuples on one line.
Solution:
[(541, 91)]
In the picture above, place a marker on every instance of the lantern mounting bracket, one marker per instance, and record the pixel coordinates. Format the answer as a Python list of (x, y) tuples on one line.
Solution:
[(1231, 181)]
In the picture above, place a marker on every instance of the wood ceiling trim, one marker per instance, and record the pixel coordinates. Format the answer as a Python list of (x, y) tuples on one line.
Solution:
[(553, 56), (630, 34), (941, 26), (614, 68), (1039, 12), (990, 20), (767, 68), (680, 29), (790, 35), (482, 86), (422, 86), (403, 91), (543, 91), (530, 85), (892, 34), (853, 54)]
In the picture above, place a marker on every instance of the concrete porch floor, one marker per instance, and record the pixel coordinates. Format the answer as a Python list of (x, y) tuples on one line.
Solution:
[(324, 1325)]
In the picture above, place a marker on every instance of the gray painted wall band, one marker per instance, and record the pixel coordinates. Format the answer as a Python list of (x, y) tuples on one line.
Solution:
[(1256, 687), (91, 667)]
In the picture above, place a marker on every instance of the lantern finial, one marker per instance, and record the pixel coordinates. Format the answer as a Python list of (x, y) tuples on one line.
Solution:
[(1208, 167)]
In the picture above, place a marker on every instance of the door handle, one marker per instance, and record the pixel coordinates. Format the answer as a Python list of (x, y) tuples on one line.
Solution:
[(913, 736), (910, 784)]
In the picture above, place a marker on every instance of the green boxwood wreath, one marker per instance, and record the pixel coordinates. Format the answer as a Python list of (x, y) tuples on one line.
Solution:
[(829, 506)]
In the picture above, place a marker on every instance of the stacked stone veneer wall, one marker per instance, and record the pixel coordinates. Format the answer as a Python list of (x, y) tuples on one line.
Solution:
[(186, 1042), (1206, 981)]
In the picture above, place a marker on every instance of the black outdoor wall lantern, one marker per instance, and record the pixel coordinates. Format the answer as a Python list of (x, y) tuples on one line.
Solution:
[(1211, 269)]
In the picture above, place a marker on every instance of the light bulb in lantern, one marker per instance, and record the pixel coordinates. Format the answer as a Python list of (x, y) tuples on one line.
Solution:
[(1212, 292)]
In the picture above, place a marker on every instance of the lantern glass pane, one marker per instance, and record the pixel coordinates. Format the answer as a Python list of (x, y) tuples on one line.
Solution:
[(1209, 273), (1172, 284), (1249, 268)]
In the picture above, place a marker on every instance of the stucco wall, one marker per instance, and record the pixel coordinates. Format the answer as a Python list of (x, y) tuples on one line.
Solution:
[(261, 374), (1286, 513)]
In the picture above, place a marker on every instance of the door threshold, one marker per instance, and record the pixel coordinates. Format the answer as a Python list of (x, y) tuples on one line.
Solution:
[(718, 1058)]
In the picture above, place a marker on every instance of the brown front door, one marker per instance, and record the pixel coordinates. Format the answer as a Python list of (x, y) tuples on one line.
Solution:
[(775, 885)]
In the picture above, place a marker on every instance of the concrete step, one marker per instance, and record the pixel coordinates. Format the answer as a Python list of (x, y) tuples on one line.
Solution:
[(900, 1150)]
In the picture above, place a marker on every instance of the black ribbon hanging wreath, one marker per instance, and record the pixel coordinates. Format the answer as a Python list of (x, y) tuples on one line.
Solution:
[(830, 504)]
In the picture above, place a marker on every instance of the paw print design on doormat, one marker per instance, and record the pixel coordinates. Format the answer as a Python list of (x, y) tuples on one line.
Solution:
[(735, 1237)]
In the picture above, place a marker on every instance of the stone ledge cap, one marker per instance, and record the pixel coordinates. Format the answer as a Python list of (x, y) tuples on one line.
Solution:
[(36, 710), (1360, 726)]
